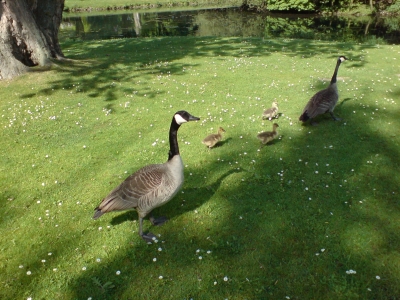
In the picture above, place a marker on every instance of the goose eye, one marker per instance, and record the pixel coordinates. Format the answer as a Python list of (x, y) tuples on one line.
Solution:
[(179, 119)]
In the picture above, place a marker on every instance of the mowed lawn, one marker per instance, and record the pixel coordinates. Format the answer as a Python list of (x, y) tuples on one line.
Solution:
[(90, 5), (313, 215)]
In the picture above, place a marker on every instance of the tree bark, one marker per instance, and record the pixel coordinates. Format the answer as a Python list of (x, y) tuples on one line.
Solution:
[(48, 15), (28, 35)]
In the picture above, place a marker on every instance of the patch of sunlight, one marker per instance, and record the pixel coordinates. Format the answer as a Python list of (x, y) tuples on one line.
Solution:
[(363, 239)]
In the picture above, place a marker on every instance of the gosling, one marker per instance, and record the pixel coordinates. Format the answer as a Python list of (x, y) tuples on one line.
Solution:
[(211, 140), (268, 136), (271, 112)]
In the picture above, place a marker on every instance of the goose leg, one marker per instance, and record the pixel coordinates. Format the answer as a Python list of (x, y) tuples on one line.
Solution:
[(147, 237), (333, 116)]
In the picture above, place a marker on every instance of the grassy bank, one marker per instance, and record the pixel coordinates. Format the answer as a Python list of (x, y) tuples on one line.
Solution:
[(315, 215), (90, 5), (116, 5)]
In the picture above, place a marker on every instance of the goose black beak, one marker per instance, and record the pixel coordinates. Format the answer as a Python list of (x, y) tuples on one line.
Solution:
[(193, 118)]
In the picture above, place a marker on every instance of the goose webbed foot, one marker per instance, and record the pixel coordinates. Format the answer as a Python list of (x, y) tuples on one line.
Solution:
[(158, 221), (148, 237)]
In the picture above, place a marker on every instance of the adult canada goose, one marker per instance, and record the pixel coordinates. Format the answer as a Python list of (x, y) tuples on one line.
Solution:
[(212, 139), (271, 112), (152, 185), (267, 136), (323, 101)]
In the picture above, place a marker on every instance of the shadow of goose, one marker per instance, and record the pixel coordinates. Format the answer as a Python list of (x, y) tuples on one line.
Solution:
[(344, 100)]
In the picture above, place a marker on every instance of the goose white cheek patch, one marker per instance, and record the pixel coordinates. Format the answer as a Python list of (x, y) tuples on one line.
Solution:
[(179, 119)]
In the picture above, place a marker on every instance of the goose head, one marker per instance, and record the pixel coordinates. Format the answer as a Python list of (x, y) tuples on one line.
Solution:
[(183, 116), (178, 119)]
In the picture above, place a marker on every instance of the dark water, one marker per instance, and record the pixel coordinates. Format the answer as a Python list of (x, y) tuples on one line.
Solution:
[(231, 22)]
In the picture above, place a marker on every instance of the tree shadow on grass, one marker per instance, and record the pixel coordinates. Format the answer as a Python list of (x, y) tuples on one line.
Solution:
[(92, 70)]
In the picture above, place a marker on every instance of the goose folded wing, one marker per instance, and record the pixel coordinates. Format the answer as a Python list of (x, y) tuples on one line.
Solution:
[(137, 186), (320, 103)]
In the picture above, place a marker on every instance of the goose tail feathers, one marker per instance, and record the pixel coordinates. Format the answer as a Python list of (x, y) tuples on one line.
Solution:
[(98, 213)]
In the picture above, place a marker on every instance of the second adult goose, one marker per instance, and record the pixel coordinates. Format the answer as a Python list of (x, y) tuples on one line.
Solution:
[(323, 101), (152, 185)]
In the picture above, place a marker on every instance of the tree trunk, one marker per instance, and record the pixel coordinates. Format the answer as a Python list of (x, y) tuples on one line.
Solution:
[(28, 35)]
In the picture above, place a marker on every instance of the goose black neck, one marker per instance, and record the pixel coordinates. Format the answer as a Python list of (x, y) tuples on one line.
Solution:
[(333, 80), (173, 139)]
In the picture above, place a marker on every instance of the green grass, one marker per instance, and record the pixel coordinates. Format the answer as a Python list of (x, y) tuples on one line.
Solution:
[(78, 5), (285, 220)]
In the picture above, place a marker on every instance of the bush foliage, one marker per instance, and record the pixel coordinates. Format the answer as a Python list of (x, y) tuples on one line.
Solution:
[(299, 5), (325, 5)]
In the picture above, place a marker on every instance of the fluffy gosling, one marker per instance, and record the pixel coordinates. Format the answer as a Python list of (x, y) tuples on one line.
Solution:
[(268, 136), (211, 140), (271, 112)]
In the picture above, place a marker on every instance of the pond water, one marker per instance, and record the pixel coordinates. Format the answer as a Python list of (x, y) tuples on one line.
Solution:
[(230, 22)]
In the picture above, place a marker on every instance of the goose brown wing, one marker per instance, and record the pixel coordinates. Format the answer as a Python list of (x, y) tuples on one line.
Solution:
[(128, 194), (321, 102)]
